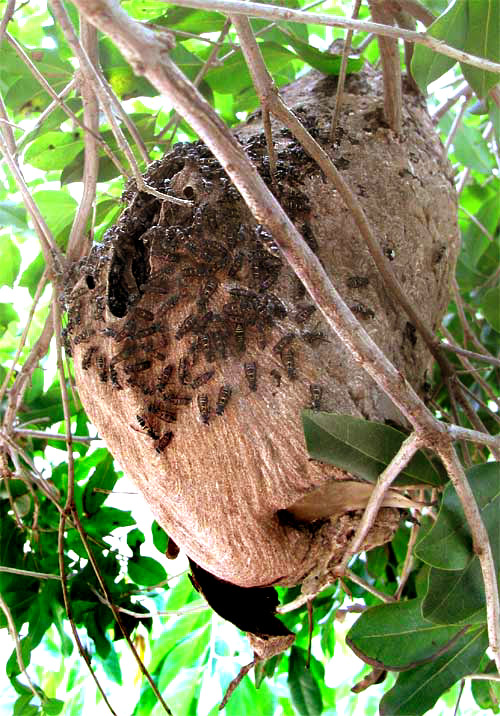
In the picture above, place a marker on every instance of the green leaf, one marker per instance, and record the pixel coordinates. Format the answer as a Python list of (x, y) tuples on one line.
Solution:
[(471, 149), (98, 487), (146, 571), (111, 666), (482, 40), (325, 62), (32, 275), (487, 693), (416, 691), (124, 81), (196, 21), (474, 242), (448, 544), (11, 261), (160, 537), (58, 209), (7, 315), (233, 76), (490, 306), (52, 707), (304, 691), (458, 596), (54, 150), (13, 215), (397, 637), (363, 448), (451, 27)]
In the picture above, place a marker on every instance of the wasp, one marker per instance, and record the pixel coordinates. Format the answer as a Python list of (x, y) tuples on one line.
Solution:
[(236, 265), (223, 399), (312, 337), (304, 314), (137, 367), (146, 426), (363, 311), (102, 367), (277, 306), (251, 375), (357, 281), (113, 376), (187, 325), (207, 291), (164, 377), (239, 337), (109, 332), (283, 343), (183, 370), (83, 336), (166, 415), (289, 361), (206, 347), (316, 393), (87, 357), (164, 441), (204, 408), (202, 379)]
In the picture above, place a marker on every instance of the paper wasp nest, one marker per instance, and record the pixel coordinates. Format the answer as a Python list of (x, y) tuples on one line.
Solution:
[(196, 347)]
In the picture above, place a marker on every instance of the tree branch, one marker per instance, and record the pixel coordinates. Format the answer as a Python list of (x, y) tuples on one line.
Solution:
[(272, 12)]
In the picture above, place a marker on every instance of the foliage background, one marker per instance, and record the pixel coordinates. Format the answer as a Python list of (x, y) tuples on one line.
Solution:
[(191, 654)]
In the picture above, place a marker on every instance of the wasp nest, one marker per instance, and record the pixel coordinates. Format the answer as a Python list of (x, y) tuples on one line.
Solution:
[(196, 347)]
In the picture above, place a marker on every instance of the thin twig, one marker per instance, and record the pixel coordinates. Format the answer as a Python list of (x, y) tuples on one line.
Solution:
[(28, 573), (15, 636), (52, 253), (457, 120), (457, 432), (494, 416), (405, 453), (386, 598), (408, 563), (39, 434), (69, 508), (39, 290), (470, 354), (342, 74), (463, 90)]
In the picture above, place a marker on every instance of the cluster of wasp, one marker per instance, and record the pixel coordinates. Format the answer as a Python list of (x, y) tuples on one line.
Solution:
[(226, 273)]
